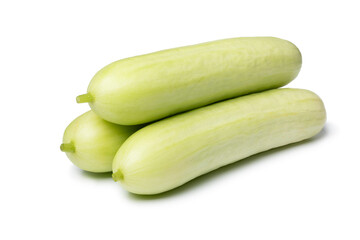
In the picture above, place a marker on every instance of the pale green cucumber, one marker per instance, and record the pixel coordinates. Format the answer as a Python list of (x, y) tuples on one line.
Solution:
[(91, 142), (171, 152), (150, 87)]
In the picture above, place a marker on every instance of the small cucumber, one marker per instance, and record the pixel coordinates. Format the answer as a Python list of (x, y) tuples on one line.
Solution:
[(171, 152), (150, 87), (91, 142)]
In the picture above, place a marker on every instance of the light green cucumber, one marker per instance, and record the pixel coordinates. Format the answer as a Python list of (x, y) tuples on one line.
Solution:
[(171, 152), (91, 142), (150, 87)]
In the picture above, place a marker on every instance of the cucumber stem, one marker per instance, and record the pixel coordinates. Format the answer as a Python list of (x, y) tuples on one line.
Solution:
[(117, 176), (67, 147), (84, 98)]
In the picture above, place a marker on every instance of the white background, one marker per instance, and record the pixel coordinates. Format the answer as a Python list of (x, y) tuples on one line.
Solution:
[(50, 50)]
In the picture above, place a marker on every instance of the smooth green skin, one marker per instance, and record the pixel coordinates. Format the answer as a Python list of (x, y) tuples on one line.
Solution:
[(150, 87), (91, 142), (171, 152)]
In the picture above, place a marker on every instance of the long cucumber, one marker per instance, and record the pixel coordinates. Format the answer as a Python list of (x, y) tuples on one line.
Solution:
[(153, 86), (91, 142), (171, 152)]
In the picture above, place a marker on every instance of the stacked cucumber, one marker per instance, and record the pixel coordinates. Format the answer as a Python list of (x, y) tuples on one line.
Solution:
[(162, 119)]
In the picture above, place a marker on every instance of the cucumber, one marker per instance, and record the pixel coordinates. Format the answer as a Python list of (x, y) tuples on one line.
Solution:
[(91, 142), (171, 152), (150, 87)]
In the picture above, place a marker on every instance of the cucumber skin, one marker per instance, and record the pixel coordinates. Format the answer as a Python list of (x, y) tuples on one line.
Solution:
[(96, 141), (150, 87), (171, 152)]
